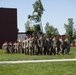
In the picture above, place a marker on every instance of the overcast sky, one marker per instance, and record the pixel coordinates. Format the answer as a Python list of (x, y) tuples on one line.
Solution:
[(56, 12)]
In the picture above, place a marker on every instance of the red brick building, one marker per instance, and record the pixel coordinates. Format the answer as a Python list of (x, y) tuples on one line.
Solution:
[(8, 25)]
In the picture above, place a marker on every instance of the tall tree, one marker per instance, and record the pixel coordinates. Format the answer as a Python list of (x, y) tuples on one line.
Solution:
[(37, 28), (29, 29), (50, 30), (69, 27), (37, 13)]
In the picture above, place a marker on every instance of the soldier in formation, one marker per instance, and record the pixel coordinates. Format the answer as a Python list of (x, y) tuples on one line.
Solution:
[(43, 45)]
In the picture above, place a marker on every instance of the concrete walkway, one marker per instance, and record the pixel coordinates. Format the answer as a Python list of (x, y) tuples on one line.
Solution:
[(36, 61)]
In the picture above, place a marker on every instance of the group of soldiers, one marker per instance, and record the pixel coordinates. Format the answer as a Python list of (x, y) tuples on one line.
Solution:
[(39, 45)]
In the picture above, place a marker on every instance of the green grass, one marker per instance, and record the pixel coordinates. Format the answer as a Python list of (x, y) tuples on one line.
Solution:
[(11, 57), (52, 68)]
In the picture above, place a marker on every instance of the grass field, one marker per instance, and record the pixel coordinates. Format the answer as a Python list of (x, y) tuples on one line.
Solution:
[(51, 68), (11, 57)]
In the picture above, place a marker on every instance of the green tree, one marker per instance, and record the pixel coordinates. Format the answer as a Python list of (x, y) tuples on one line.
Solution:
[(29, 29), (50, 30), (69, 27), (37, 28), (37, 13)]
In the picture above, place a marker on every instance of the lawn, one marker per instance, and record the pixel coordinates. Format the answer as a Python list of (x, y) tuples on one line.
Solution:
[(11, 57), (51, 68)]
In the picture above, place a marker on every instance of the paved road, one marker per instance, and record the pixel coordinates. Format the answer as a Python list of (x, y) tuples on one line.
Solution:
[(36, 61)]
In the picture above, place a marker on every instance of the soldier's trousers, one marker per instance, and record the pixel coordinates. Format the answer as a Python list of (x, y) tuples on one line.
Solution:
[(63, 49)]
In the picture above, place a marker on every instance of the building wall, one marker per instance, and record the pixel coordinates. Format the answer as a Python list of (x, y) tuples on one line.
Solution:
[(8, 25)]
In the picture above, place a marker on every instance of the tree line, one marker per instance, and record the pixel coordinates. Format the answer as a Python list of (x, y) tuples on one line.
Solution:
[(34, 23)]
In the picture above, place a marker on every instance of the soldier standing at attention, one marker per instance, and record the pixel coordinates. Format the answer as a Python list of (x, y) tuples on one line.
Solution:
[(9, 47), (48, 45), (45, 46), (58, 43), (41, 45), (51, 45), (14, 47), (67, 40), (54, 45), (23, 46), (27, 46), (31, 45), (4, 47), (64, 45)]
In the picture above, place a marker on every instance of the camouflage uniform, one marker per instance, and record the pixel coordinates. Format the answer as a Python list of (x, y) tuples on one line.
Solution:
[(23, 46), (14, 47), (41, 39), (25, 42), (45, 46), (31, 45), (64, 46), (27, 46), (4, 47), (48, 46), (19, 47), (35, 45), (9, 47), (54, 46), (58, 43), (67, 46)]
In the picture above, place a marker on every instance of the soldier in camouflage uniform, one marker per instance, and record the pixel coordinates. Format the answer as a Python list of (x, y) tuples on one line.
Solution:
[(23, 46), (41, 41), (67, 40), (35, 45), (31, 45), (27, 46), (19, 46), (54, 46), (14, 47), (51, 45), (58, 43), (9, 47), (48, 45), (64, 45), (45, 45), (4, 47)]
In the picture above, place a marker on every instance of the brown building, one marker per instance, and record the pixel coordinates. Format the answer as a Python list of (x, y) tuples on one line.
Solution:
[(8, 25)]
